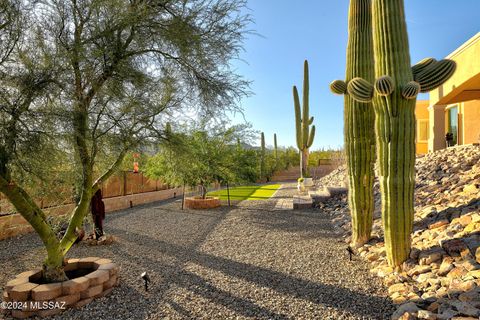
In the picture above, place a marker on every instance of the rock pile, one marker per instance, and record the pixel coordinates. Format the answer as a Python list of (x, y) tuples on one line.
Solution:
[(441, 280)]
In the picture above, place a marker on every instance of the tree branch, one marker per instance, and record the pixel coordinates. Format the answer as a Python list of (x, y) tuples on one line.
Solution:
[(114, 167)]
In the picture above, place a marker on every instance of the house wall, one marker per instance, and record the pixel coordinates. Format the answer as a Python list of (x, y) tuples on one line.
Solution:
[(421, 113), (463, 90), (467, 72)]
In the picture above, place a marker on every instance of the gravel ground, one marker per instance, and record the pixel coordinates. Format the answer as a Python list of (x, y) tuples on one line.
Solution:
[(247, 261)]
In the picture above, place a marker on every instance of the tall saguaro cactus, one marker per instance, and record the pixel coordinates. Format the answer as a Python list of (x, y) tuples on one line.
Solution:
[(394, 94), (262, 156), (359, 121), (303, 121)]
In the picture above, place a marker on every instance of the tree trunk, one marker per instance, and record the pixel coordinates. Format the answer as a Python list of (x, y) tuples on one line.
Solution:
[(53, 265), (204, 191), (79, 213)]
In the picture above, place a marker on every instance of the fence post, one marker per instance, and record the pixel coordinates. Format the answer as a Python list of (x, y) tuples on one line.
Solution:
[(124, 183), (183, 196)]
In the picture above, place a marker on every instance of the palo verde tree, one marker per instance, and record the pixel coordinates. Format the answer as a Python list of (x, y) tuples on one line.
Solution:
[(117, 70), (359, 118), (201, 157), (303, 121)]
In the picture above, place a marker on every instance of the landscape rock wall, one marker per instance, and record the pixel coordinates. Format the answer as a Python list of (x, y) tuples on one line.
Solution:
[(441, 280)]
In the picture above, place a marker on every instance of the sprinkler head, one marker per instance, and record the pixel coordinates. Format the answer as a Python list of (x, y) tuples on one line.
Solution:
[(146, 279)]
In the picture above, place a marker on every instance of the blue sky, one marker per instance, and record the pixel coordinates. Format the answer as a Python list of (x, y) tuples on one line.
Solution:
[(316, 30)]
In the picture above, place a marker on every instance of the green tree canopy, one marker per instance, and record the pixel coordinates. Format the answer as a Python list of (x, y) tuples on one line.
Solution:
[(94, 79), (203, 157)]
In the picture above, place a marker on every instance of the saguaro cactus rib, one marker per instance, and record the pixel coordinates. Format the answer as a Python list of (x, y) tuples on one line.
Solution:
[(359, 119), (305, 134)]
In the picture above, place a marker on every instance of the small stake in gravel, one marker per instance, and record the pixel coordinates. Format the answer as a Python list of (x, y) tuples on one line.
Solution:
[(146, 278), (350, 252)]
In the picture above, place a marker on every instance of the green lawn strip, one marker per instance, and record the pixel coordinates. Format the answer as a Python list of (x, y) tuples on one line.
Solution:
[(247, 192)]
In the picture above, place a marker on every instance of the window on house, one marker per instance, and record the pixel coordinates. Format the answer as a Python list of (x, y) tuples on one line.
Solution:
[(453, 126), (422, 132)]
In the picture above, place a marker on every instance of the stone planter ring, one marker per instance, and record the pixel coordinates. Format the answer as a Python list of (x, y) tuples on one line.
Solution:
[(199, 203), (90, 278)]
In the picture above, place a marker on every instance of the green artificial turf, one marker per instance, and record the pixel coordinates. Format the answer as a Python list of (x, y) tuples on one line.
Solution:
[(247, 192)]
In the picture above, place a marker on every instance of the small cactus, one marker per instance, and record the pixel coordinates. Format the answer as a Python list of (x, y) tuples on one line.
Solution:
[(303, 121)]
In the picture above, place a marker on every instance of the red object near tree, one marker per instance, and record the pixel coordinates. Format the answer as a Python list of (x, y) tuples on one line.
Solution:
[(135, 163), (135, 167)]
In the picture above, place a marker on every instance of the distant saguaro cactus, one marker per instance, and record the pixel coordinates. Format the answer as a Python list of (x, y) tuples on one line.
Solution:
[(359, 122), (262, 156), (394, 94), (275, 150), (305, 134)]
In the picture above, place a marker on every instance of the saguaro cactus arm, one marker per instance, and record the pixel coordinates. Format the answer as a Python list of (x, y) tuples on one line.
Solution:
[(306, 109), (384, 86), (311, 136), (411, 90), (338, 87), (421, 65), (298, 118), (360, 90), (432, 75)]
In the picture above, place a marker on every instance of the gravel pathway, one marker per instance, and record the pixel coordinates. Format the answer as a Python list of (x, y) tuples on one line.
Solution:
[(247, 261)]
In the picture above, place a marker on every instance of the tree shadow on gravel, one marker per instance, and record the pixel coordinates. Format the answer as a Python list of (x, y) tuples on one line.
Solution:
[(340, 298), (201, 287), (170, 203), (307, 225)]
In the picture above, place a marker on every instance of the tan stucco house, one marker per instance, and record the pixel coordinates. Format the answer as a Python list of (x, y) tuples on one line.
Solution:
[(454, 107)]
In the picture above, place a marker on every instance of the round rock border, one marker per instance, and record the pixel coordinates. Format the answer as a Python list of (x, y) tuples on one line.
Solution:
[(199, 203), (24, 298)]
